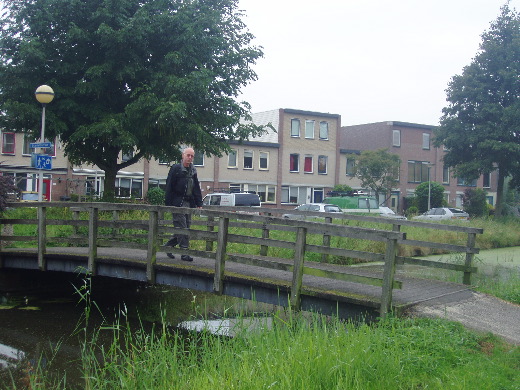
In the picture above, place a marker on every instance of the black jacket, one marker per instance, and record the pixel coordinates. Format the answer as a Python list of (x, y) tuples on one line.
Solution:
[(177, 184)]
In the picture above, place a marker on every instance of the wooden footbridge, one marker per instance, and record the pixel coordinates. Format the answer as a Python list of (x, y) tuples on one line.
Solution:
[(259, 256)]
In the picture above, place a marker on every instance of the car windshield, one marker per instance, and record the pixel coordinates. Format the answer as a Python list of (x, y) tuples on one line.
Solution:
[(457, 211)]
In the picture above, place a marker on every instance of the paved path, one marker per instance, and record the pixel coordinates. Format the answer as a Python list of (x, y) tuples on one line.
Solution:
[(480, 312)]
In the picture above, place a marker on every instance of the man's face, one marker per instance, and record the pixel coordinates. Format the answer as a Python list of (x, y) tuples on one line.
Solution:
[(187, 157)]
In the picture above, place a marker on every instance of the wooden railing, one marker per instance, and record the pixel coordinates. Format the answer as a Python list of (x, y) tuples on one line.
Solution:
[(218, 225)]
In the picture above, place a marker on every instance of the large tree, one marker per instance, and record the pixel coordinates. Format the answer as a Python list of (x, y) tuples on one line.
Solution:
[(377, 170), (131, 76), (480, 128)]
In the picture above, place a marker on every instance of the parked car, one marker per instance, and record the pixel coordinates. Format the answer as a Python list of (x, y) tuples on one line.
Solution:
[(443, 213), (314, 207), (387, 212)]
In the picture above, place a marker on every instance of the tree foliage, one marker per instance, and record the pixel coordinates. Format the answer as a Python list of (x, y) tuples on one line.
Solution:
[(475, 202), (436, 192), (481, 125), (7, 189), (377, 170), (130, 76)]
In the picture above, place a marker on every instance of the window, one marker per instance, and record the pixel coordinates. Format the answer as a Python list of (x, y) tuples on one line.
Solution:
[(309, 129), (294, 195), (248, 159), (27, 150), (465, 182), (322, 165), (126, 188), (396, 137), (486, 180), (446, 174), (417, 171), (266, 193), (351, 163), (294, 161), (163, 161), (295, 127), (198, 160), (307, 165), (8, 142), (263, 162), (324, 130), (232, 159), (426, 141)]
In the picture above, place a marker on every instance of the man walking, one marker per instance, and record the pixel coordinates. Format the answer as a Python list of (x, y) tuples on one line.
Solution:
[(183, 190)]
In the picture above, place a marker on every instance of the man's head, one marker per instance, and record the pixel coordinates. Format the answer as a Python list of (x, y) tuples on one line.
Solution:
[(188, 155)]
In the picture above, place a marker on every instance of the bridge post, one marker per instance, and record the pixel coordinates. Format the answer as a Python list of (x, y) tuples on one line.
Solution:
[(151, 256), (42, 237), (265, 234), (92, 239), (469, 257), (388, 277), (326, 242), (220, 256), (299, 258), (210, 228)]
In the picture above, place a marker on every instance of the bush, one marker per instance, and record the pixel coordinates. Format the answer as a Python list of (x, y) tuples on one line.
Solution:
[(411, 211), (475, 203), (155, 196), (436, 195), (8, 191)]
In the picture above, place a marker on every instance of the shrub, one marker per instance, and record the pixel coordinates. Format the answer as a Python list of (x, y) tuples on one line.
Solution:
[(412, 211), (475, 203), (155, 196), (7, 191), (436, 191)]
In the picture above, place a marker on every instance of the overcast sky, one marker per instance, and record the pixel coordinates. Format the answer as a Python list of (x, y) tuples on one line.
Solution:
[(369, 61)]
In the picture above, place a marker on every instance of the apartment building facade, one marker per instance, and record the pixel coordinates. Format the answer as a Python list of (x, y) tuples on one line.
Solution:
[(420, 160), (294, 163)]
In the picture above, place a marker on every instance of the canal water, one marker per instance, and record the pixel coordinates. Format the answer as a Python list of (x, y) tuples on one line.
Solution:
[(45, 321)]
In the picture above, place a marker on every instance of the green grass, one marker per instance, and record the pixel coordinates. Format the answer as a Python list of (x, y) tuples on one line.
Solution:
[(301, 353)]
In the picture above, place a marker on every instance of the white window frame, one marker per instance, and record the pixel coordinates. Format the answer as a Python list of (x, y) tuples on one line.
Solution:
[(396, 138), (246, 152), (426, 141), (312, 163), (233, 152), (309, 129), (298, 162), (324, 130), (8, 138), (295, 128), (322, 159), (266, 159), (195, 160)]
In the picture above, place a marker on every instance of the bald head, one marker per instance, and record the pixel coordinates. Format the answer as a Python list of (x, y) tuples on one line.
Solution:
[(188, 155)]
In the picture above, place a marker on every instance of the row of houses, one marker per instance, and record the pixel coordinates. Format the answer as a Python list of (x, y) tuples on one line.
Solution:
[(304, 158)]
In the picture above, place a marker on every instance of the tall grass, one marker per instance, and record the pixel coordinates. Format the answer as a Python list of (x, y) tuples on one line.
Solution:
[(302, 353)]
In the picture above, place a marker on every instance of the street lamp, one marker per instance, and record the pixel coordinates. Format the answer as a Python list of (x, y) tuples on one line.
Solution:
[(44, 94), (430, 165)]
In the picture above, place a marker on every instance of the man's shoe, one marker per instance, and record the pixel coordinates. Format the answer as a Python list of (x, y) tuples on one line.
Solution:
[(186, 258), (170, 255)]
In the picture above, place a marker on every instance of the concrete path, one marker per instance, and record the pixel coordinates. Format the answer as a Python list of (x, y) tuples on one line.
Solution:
[(479, 312)]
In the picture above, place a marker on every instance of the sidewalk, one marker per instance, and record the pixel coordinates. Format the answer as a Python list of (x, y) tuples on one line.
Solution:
[(479, 312)]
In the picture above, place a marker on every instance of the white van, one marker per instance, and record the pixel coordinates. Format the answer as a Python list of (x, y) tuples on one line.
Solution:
[(232, 199)]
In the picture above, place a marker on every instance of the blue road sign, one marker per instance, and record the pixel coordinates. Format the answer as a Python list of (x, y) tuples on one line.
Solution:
[(43, 161), (40, 145)]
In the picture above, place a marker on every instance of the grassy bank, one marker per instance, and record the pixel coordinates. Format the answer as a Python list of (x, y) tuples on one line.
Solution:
[(297, 353)]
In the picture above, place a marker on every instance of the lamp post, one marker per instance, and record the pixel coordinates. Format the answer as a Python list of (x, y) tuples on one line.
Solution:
[(430, 165), (44, 94)]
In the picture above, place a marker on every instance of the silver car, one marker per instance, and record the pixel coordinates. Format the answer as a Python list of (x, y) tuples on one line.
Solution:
[(443, 213), (314, 207)]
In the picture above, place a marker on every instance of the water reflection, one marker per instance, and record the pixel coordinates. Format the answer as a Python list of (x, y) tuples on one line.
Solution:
[(229, 327)]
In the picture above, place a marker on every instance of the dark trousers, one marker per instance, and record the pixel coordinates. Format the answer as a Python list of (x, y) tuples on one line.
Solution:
[(182, 221)]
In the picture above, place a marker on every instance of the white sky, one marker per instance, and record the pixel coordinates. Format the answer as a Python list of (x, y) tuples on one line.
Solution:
[(369, 61)]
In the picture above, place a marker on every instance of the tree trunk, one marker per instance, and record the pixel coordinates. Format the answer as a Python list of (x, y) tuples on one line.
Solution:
[(109, 192), (500, 194)]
